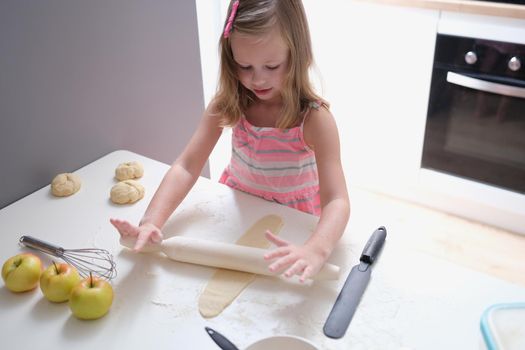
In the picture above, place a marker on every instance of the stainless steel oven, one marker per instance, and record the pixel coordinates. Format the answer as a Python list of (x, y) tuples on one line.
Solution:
[(475, 127)]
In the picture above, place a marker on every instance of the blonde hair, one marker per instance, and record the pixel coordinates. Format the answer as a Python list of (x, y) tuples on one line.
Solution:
[(257, 17)]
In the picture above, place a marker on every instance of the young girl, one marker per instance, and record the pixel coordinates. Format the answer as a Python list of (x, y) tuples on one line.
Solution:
[(285, 144)]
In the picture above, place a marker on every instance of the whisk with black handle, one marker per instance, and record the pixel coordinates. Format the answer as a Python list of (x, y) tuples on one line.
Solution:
[(86, 260)]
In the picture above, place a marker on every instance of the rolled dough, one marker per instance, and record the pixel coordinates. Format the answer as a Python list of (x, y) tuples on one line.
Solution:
[(225, 285)]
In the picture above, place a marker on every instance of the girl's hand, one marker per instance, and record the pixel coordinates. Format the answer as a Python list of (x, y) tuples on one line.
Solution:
[(144, 233), (299, 260)]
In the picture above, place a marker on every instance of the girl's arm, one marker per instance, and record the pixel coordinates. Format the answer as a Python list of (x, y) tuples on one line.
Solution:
[(176, 184), (320, 132)]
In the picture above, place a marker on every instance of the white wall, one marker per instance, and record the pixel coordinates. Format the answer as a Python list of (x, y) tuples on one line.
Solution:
[(210, 16), (79, 79)]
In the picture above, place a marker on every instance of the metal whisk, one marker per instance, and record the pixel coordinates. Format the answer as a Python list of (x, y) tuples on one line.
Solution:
[(86, 260)]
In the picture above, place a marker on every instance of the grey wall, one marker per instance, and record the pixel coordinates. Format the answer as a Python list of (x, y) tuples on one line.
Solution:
[(79, 79)]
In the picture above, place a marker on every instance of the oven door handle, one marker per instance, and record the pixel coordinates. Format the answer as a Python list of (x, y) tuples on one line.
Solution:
[(483, 85)]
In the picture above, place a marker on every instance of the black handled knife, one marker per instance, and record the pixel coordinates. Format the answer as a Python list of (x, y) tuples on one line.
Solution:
[(348, 299)]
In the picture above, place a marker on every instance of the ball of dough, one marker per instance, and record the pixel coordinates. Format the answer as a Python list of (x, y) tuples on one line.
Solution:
[(127, 192), (65, 184), (128, 171)]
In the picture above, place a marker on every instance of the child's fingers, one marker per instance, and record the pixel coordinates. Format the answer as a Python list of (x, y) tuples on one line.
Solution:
[(120, 225), (282, 263), (276, 253), (275, 240), (156, 236), (296, 268), (307, 273), (142, 239), (115, 222), (129, 229)]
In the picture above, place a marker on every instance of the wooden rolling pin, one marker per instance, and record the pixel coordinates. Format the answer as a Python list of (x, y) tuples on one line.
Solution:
[(221, 255)]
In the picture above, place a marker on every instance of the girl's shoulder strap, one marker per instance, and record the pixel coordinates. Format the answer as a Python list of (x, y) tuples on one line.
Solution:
[(317, 104)]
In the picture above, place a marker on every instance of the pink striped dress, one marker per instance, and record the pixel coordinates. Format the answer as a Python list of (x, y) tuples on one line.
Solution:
[(274, 164)]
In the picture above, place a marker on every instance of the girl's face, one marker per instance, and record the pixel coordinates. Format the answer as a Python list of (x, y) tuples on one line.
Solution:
[(262, 63)]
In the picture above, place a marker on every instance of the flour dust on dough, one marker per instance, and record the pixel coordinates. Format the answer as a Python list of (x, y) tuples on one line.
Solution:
[(225, 285)]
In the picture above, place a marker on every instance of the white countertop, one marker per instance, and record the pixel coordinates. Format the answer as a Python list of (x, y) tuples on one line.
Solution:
[(413, 301)]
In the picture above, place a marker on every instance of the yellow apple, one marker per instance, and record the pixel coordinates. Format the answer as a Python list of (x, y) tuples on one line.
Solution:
[(91, 298), (57, 281), (22, 272)]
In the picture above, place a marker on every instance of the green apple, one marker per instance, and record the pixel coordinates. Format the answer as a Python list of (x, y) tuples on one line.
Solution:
[(22, 272), (57, 281), (91, 298)]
